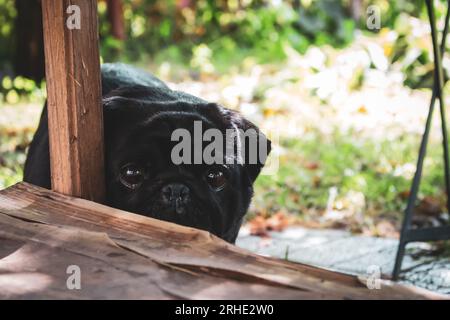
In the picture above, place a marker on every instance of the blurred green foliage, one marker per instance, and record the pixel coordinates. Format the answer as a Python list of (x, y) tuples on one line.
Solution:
[(21, 89), (211, 35), (7, 15), (226, 26)]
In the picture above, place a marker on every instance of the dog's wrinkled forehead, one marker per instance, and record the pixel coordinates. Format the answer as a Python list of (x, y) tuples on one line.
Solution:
[(144, 108), (136, 124), (164, 123), (140, 111)]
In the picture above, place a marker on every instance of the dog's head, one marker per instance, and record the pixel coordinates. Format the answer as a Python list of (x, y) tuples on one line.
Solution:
[(166, 160)]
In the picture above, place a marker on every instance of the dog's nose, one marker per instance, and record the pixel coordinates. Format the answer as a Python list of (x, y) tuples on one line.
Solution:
[(176, 195)]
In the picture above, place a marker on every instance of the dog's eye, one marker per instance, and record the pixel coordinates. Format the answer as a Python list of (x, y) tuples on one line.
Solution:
[(132, 175), (216, 178)]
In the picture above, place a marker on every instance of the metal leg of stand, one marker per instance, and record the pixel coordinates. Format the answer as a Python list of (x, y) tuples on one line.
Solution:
[(429, 234)]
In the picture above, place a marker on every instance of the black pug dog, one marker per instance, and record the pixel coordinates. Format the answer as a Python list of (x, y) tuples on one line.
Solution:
[(140, 115)]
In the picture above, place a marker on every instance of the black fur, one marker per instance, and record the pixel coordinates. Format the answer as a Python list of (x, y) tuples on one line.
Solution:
[(140, 113)]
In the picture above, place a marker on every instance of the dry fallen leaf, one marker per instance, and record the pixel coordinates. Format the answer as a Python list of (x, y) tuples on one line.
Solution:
[(429, 213), (260, 226), (404, 194), (316, 180), (362, 109), (277, 222), (386, 229), (429, 206), (312, 166)]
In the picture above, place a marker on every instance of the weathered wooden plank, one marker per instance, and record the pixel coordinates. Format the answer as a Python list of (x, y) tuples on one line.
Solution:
[(107, 270), (75, 116), (192, 263)]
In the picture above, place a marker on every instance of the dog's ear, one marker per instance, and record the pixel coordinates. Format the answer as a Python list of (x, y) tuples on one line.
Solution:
[(116, 111), (252, 134), (130, 104)]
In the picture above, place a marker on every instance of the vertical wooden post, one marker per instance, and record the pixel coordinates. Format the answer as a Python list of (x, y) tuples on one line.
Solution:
[(75, 115)]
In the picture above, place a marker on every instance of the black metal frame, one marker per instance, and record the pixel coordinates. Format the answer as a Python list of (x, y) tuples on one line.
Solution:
[(409, 234)]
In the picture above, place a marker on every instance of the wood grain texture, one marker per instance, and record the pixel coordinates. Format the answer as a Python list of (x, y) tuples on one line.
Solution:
[(74, 100), (124, 255)]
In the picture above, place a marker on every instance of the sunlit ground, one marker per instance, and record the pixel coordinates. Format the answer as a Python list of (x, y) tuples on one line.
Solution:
[(345, 130)]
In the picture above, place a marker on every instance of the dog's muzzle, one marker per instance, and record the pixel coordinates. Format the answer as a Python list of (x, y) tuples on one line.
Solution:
[(176, 197)]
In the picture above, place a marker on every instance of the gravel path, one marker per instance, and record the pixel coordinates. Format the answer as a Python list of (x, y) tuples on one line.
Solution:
[(358, 255)]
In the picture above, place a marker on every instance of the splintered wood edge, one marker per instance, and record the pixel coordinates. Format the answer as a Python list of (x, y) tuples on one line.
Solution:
[(29, 193)]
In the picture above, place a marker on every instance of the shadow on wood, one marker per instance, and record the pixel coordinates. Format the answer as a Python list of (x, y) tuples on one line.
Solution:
[(127, 256)]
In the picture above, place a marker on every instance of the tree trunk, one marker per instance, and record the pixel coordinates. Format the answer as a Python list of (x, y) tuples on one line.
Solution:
[(29, 51), (356, 10), (115, 17)]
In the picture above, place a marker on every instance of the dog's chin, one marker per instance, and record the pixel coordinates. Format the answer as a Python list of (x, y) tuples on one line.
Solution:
[(206, 218)]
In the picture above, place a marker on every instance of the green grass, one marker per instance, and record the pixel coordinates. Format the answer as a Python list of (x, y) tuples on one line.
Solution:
[(12, 156), (17, 125), (315, 163)]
